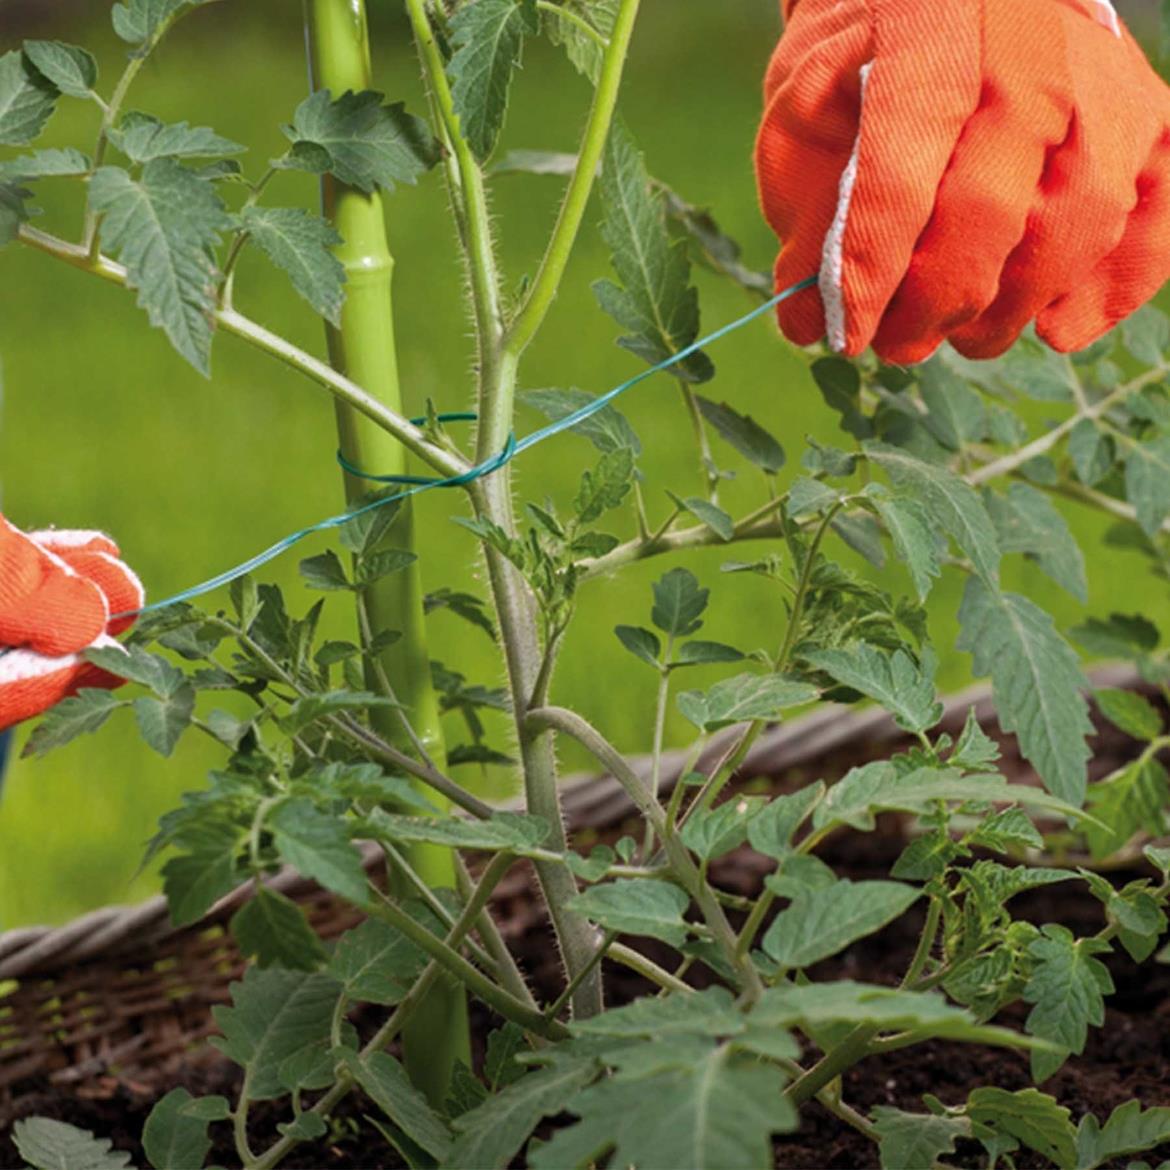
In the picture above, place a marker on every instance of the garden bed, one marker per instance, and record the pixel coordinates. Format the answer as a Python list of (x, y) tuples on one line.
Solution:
[(135, 1058)]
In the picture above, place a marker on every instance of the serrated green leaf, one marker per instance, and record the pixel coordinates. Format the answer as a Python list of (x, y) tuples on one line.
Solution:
[(955, 412), (948, 501), (376, 565), (706, 653), (606, 487), (1027, 522), (386, 1083), (135, 664), (53, 1145), (271, 929), (1038, 371), (902, 686), (916, 1141), (490, 1135), (1036, 681), (818, 1005), (500, 1067), (710, 245), (821, 922), (1120, 636), (42, 164), (141, 22), (274, 1014), (585, 50), (709, 1013), (1031, 1117), (164, 227), (376, 963), (1010, 829), (839, 382), (744, 697), (300, 244), (655, 300), (1067, 988), (743, 433), (975, 749), (878, 787), (713, 1110), (142, 137), (1146, 334), (318, 845), (324, 571), (70, 68), (1147, 482), (1129, 1130), (807, 497), (640, 643), (709, 514), (467, 606), (1091, 451), (1134, 910), (27, 99), (163, 721), (313, 707), (365, 143), (607, 429), (488, 37), (772, 829), (516, 832), (636, 906), (678, 603), (1130, 712), (81, 714), (915, 542), (175, 1134), (203, 873), (1134, 799), (710, 833)]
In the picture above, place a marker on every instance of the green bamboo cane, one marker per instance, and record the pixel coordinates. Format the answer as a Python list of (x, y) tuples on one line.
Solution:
[(363, 348)]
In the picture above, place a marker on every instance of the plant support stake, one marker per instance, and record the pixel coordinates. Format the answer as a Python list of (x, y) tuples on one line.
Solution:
[(363, 348)]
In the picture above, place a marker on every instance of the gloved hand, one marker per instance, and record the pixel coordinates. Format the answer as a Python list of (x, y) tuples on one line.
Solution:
[(57, 592), (954, 169)]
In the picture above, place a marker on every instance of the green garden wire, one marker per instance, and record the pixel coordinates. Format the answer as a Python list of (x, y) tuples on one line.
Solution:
[(415, 485)]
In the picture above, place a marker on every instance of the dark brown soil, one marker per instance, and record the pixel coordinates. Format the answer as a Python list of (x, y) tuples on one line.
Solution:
[(1128, 1058)]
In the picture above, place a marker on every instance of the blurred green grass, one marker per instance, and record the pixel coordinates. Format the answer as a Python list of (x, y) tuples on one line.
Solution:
[(104, 426)]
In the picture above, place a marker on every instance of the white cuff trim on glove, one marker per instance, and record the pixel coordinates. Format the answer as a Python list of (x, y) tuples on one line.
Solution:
[(832, 275), (23, 665)]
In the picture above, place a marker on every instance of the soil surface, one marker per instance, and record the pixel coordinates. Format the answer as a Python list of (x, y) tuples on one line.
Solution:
[(1128, 1058)]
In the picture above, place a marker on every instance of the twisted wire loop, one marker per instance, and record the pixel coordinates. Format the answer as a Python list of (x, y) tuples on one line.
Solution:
[(414, 485)]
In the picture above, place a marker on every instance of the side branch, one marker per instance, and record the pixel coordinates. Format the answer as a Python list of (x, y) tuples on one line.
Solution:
[(556, 258), (255, 334)]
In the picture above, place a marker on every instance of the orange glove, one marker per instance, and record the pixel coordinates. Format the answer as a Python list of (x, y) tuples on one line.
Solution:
[(57, 592), (954, 169)]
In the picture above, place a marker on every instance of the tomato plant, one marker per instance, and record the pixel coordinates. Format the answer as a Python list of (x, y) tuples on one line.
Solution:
[(950, 466)]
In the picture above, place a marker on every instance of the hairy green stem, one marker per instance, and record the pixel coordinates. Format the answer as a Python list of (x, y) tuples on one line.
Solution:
[(647, 968), (560, 247), (699, 536), (1046, 442), (570, 723)]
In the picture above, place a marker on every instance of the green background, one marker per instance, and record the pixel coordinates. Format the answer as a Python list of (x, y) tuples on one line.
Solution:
[(105, 427)]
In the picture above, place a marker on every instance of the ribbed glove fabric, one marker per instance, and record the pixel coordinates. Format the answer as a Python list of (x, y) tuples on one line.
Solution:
[(57, 592), (954, 169)]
